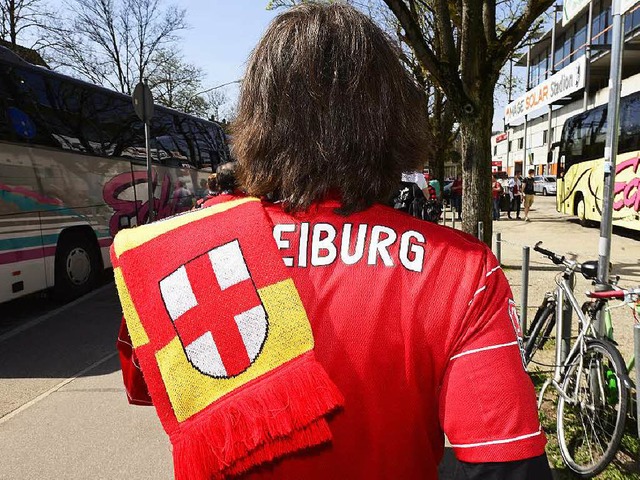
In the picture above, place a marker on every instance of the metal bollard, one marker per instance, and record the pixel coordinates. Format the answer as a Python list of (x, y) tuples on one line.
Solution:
[(524, 298), (453, 218), (636, 350), (499, 247), (480, 231)]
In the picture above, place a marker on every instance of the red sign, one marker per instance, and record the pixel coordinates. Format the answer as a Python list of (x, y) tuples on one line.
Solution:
[(496, 163), (501, 137)]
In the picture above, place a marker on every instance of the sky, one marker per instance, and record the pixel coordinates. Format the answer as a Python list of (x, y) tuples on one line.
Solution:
[(221, 36)]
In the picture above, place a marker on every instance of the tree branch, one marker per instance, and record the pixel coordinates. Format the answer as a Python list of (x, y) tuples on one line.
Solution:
[(508, 41)]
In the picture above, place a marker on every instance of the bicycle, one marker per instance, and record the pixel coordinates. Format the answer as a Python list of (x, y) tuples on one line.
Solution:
[(545, 317), (591, 378)]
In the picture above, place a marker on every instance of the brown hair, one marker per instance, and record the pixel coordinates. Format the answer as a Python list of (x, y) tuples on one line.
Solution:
[(326, 106), (226, 177), (212, 182)]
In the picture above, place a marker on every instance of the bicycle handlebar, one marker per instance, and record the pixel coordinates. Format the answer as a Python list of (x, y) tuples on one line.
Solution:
[(557, 259), (619, 294), (608, 294)]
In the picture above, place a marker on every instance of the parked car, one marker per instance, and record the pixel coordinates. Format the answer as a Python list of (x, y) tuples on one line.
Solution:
[(545, 184)]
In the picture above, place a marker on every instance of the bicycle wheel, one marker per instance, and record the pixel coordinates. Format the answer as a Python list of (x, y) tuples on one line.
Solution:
[(542, 322), (591, 422)]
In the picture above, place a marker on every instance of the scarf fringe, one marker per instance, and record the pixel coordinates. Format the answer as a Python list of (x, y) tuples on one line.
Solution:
[(258, 423)]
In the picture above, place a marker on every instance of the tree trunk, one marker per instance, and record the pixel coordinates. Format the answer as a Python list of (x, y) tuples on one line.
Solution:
[(13, 34), (475, 135)]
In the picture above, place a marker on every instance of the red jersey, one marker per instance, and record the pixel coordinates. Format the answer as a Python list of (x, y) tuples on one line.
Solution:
[(416, 325)]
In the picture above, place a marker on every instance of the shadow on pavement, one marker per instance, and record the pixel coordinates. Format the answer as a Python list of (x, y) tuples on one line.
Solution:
[(66, 341)]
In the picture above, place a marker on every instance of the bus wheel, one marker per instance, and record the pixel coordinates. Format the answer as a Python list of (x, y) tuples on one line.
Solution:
[(76, 266), (581, 211)]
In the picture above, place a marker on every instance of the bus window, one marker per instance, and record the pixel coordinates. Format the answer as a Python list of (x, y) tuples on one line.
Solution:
[(630, 124), (596, 128)]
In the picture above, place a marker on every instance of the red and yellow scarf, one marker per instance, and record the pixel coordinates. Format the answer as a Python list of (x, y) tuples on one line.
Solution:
[(223, 339)]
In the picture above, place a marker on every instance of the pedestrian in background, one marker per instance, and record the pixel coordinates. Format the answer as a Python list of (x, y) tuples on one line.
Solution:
[(212, 190), (496, 193), (514, 196), (528, 194)]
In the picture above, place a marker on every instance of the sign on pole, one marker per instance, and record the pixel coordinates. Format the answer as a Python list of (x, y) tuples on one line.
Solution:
[(571, 8), (565, 82), (143, 106), (627, 4)]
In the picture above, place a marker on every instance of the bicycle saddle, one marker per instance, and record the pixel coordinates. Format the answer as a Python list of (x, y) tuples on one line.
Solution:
[(589, 269)]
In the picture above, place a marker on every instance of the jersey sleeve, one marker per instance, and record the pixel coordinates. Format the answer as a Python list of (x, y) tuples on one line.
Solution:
[(487, 401)]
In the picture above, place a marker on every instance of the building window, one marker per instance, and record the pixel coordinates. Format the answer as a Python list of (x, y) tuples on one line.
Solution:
[(544, 137), (520, 143), (557, 55), (600, 24), (495, 150), (580, 38)]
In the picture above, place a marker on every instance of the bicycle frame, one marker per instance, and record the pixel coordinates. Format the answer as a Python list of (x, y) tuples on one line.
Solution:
[(564, 292)]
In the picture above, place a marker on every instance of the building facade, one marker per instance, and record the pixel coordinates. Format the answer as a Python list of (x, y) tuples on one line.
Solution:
[(567, 71)]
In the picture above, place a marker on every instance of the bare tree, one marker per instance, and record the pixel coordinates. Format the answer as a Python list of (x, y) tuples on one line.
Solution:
[(114, 42), (18, 18), (216, 99), (177, 84), (477, 37)]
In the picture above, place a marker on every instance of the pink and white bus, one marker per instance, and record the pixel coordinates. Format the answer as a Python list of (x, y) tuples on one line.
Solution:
[(72, 173)]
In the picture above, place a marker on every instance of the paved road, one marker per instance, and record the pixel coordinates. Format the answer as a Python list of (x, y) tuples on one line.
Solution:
[(63, 411)]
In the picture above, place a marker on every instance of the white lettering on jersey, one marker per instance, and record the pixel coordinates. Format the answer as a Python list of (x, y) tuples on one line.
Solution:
[(322, 244), (283, 244), (346, 241), (416, 250), (378, 246), (304, 245)]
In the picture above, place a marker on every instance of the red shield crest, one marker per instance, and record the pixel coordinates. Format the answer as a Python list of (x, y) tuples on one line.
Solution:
[(216, 311)]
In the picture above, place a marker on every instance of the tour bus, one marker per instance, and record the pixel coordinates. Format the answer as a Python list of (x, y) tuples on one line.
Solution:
[(73, 173), (580, 183)]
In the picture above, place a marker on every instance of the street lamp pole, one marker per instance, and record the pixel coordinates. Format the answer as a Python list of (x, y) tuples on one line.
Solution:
[(195, 95), (215, 88)]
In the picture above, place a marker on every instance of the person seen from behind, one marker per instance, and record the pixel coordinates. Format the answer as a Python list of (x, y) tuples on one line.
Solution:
[(226, 183), (529, 194), (212, 190), (496, 193), (417, 352), (419, 179), (515, 187)]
